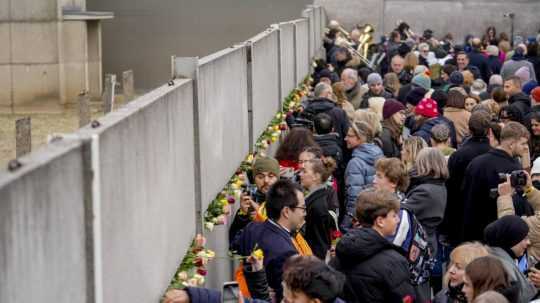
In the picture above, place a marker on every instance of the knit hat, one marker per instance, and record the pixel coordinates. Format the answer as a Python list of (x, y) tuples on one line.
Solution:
[(427, 108), (535, 94), (390, 107), (529, 86), (496, 80), (420, 69), (422, 81), (506, 232), (492, 50), (535, 170), (266, 164), (456, 78), (415, 95), (374, 78), (523, 73)]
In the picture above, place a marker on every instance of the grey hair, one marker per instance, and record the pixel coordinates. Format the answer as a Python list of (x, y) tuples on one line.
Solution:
[(431, 162), (321, 88), (350, 73)]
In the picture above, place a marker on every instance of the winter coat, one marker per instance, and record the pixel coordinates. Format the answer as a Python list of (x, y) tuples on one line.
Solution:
[(365, 100), (505, 207), (319, 222), (426, 198), (477, 59), (481, 176), (446, 295), (242, 220), (521, 102), (375, 269), (510, 67), (356, 94), (494, 64), (277, 246), (535, 61), (390, 146), (457, 165), (460, 117), (338, 115), (359, 174), (424, 130), (526, 290)]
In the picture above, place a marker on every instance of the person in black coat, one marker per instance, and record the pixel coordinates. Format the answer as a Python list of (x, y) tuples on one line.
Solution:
[(477, 144), (323, 104), (476, 58), (494, 63), (375, 269), (327, 139), (319, 223), (516, 98), (482, 176)]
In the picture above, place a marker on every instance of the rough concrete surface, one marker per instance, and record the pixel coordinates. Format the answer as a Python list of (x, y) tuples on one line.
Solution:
[(223, 118), (147, 208), (265, 80), (42, 234), (288, 59)]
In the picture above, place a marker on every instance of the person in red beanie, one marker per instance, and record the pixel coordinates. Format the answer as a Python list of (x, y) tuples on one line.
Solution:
[(392, 128), (535, 96), (428, 115)]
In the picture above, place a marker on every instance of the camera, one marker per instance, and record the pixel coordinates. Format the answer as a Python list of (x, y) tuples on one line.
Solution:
[(518, 178)]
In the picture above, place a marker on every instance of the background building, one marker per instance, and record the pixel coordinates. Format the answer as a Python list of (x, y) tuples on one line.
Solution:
[(51, 51)]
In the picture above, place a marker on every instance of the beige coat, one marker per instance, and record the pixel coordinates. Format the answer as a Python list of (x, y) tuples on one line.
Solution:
[(460, 117), (505, 207)]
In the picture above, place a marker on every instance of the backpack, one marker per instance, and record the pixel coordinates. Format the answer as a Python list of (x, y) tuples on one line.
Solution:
[(414, 242)]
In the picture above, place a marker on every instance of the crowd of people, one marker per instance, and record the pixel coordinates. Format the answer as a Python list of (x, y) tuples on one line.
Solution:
[(415, 180)]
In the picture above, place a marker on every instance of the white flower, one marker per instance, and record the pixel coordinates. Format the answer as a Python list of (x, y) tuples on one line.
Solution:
[(209, 226)]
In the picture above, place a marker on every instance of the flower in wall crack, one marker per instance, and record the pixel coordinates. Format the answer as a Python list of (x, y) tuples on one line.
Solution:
[(209, 226), (183, 276)]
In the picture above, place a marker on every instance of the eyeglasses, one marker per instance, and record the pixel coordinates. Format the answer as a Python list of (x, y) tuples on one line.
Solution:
[(303, 208)]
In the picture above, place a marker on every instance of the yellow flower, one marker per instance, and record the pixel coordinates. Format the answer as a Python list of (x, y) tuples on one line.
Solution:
[(249, 158), (224, 202), (276, 127), (210, 254), (239, 183), (209, 226), (258, 254), (235, 186), (274, 139), (279, 116), (183, 276)]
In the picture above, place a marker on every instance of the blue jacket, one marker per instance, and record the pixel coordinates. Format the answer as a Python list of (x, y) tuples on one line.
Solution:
[(277, 247), (359, 174)]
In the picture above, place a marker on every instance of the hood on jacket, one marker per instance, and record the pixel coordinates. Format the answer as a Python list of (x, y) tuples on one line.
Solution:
[(368, 152), (519, 97), (320, 105), (361, 244)]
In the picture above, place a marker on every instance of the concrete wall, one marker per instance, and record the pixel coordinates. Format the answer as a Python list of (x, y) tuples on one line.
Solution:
[(42, 228), (287, 58), (301, 30), (265, 79), (223, 118), (146, 177), (187, 28), (458, 17)]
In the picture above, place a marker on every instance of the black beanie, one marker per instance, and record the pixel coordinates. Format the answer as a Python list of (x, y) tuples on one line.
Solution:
[(440, 97), (415, 96), (506, 232)]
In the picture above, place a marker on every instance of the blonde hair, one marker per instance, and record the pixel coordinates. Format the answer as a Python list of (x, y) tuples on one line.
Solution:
[(465, 254), (431, 162), (494, 107), (411, 61), (363, 129), (339, 92), (413, 145), (369, 117), (468, 77), (391, 81)]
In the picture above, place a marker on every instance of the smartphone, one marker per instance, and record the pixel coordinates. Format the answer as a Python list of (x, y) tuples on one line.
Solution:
[(230, 292)]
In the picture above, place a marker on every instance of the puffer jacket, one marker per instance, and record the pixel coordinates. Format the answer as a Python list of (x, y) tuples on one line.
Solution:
[(424, 131), (359, 174), (375, 269)]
